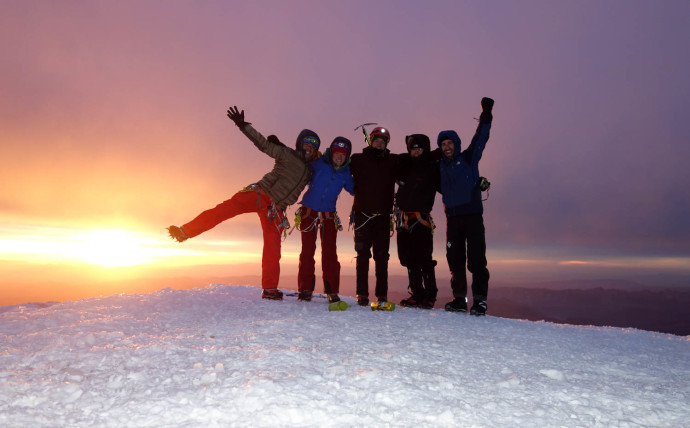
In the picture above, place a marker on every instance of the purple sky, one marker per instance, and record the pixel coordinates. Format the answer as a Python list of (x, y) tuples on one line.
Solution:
[(113, 110)]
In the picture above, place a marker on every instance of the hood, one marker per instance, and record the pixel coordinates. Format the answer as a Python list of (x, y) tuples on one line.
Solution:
[(418, 141), (450, 135), (307, 133), (339, 144)]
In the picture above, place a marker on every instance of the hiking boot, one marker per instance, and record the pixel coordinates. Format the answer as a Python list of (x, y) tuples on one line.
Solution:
[(271, 294), (411, 302), (304, 296), (332, 298), (457, 305), (363, 300), (177, 233), (479, 308), (428, 304)]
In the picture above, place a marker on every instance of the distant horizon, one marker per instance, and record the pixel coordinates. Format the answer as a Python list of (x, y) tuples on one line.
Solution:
[(69, 267), (49, 284), (649, 302)]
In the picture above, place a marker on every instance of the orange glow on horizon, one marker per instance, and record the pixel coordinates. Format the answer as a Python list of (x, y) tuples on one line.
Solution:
[(115, 247), (674, 263), (576, 262)]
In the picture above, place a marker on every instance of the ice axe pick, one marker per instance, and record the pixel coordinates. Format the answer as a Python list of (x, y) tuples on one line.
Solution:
[(364, 131)]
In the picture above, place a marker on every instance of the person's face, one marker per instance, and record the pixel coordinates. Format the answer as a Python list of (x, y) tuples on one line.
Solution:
[(308, 150), (448, 148), (339, 158), (415, 153), (378, 143)]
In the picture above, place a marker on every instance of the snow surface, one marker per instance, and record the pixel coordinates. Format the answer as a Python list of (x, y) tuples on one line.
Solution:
[(221, 356)]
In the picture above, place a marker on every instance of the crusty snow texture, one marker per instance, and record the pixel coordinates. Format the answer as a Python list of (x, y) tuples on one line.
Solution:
[(221, 356)]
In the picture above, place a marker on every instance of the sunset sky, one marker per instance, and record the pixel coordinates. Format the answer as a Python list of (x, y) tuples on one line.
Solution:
[(113, 127)]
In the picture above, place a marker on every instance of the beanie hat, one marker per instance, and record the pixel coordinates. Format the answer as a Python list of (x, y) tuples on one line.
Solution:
[(307, 136), (418, 141)]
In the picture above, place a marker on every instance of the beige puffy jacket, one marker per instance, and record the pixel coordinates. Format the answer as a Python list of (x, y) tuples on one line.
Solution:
[(290, 174)]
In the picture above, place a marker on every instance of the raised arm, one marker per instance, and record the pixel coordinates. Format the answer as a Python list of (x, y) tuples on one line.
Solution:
[(271, 145), (473, 153)]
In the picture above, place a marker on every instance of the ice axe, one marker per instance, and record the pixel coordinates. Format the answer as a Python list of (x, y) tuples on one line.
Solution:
[(366, 136)]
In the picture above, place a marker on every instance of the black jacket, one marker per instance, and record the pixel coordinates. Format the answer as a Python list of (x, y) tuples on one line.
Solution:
[(419, 181), (374, 172)]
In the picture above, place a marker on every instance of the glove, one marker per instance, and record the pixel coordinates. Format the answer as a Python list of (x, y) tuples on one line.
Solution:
[(487, 106), (237, 116)]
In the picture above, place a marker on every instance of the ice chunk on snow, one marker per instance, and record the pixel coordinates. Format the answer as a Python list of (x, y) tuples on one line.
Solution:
[(552, 374)]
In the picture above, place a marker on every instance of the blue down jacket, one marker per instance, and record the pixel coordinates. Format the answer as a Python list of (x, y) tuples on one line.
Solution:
[(460, 175), (326, 184)]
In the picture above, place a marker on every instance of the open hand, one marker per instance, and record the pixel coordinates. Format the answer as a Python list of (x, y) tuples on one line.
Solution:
[(237, 116)]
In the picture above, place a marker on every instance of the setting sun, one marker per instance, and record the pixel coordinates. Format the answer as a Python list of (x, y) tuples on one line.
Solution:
[(114, 248), (100, 247)]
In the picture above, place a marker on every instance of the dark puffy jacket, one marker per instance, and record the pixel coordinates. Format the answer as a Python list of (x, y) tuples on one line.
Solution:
[(374, 172), (460, 175), (419, 180)]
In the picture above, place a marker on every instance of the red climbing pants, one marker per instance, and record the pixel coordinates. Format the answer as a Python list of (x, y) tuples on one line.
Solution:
[(248, 201)]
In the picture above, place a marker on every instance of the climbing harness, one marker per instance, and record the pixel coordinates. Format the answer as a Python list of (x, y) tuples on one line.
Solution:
[(408, 220), (278, 216), (319, 219), (275, 213), (369, 217)]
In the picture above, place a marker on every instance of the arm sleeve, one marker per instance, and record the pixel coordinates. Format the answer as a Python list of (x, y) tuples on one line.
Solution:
[(349, 184), (272, 150), (474, 152), (437, 176)]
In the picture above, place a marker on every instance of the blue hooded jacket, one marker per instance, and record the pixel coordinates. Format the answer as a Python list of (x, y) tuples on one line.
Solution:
[(326, 184), (460, 174)]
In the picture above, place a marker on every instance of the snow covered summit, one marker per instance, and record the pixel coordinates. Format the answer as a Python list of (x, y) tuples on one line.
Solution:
[(221, 356)]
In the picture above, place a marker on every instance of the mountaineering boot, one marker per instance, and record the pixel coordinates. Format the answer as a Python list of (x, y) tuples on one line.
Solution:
[(457, 305), (177, 233), (362, 300), (382, 305), (332, 298), (304, 296), (428, 303), (340, 305), (271, 294), (479, 308), (412, 302)]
